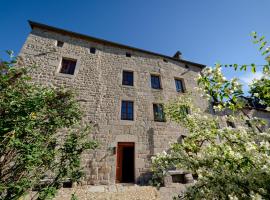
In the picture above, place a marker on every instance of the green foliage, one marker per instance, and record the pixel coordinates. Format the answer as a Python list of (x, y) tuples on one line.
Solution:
[(224, 93), (260, 90), (40, 135), (231, 163)]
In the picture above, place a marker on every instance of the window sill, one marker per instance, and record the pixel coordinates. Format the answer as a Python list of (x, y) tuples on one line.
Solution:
[(65, 75), (156, 89), (126, 122), (127, 86), (160, 121)]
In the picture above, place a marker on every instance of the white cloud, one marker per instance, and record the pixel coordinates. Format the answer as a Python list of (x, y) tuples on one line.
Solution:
[(247, 78)]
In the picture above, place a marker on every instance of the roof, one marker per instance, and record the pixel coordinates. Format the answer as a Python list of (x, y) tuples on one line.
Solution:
[(254, 103), (98, 40)]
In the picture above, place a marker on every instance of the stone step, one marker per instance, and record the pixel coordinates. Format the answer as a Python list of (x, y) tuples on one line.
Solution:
[(112, 192)]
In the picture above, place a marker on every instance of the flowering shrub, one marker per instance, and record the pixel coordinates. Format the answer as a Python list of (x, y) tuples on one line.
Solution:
[(31, 148), (231, 163)]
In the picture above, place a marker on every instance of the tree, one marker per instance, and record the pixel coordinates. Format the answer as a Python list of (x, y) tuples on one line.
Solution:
[(231, 163), (40, 134)]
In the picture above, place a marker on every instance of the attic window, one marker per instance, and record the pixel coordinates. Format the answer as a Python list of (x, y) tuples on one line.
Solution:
[(186, 66), (128, 55), (59, 43), (93, 50), (165, 60)]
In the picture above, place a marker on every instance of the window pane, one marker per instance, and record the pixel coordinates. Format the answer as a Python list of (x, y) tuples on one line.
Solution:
[(179, 85), (68, 66), (158, 113), (127, 78), (127, 110), (155, 82)]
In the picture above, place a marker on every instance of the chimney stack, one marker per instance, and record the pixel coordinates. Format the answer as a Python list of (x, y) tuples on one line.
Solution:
[(177, 55)]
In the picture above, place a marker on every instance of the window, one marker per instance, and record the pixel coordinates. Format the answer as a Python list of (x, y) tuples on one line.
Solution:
[(179, 85), (181, 139), (92, 50), (59, 43), (128, 55), (164, 60), (230, 124), (186, 66), (184, 110), (159, 115), (248, 123), (155, 82), (127, 78), (127, 110), (68, 66)]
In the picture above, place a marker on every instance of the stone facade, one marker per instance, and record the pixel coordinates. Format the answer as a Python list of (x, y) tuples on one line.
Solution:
[(97, 82)]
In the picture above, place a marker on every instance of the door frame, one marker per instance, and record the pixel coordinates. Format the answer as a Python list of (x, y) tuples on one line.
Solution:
[(119, 160)]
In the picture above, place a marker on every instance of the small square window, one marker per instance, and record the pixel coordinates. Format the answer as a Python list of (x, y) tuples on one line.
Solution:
[(127, 78), (230, 124), (186, 66), (248, 123), (155, 82), (93, 50), (159, 115), (128, 55), (179, 85), (165, 60), (59, 43), (184, 110), (68, 66), (127, 110), (181, 139)]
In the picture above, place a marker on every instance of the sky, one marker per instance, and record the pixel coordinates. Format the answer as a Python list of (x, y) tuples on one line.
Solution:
[(205, 31)]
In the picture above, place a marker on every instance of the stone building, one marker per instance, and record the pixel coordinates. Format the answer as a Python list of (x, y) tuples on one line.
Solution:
[(121, 90)]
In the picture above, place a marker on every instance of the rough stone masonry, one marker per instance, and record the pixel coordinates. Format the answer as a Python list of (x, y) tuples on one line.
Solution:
[(94, 68)]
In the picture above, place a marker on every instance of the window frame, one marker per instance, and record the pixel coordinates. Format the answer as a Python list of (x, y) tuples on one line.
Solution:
[(70, 60), (183, 88), (158, 77), (156, 118), (59, 43), (123, 78), (126, 115)]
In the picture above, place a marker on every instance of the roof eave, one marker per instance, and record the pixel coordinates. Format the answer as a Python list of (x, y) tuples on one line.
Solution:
[(86, 37)]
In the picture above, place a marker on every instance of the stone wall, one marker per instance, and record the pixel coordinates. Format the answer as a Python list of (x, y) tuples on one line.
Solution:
[(98, 85)]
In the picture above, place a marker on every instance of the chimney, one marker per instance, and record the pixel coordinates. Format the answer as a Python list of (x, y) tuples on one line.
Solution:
[(177, 55)]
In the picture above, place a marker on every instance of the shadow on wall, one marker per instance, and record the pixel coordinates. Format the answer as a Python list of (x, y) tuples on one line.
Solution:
[(150, 134), (144, 179)]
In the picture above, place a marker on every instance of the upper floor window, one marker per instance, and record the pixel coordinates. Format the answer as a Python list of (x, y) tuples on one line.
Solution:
[(155, 81), (185, 110), (248, 123), (68, 66), (127, 78), (128, 55), (59, 43), (179, 85), (93, 50), (127, 110), (159, 115), (231, 124)]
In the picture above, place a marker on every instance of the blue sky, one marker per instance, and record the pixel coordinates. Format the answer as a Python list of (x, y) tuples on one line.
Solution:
[(205, 31)]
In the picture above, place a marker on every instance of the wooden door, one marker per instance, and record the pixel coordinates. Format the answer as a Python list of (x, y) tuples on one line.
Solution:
[(119, 163)]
